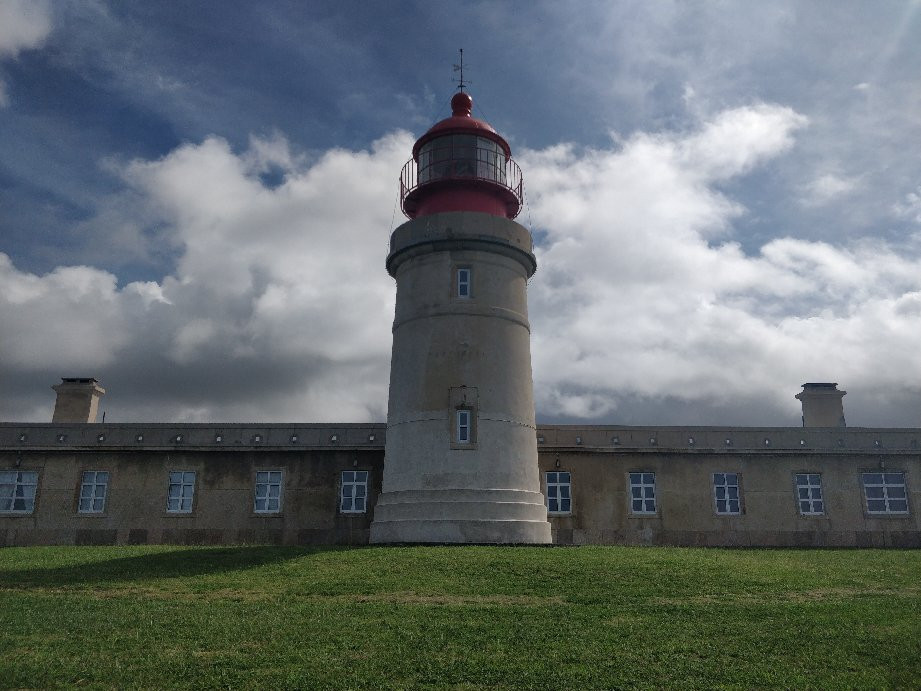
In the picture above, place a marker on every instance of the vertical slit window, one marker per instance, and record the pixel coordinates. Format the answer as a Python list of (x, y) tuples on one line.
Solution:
[(463, 283), (463, 426)]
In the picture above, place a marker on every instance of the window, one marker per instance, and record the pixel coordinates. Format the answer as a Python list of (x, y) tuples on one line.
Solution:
[(726, 493), (463, 426), (559, 487), (461, 420), (885, 493), (17, 491), (461, 155), (463, 283), (809, 494), (93, 489), (354, 494), (267, 497), (181, 491), (643, 493)]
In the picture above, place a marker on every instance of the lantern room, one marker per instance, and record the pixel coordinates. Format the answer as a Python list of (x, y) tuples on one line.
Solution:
[(461, 164)]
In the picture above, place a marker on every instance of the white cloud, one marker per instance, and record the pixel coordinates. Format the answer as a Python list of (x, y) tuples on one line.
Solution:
[(736, 140), (279, 299), (267, 152), (910, 208), (72, 316), (633, 304), (643, 309), (826, 188), (24, 24)]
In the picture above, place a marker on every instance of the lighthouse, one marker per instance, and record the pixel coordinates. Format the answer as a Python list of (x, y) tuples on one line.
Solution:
[(460, 463)]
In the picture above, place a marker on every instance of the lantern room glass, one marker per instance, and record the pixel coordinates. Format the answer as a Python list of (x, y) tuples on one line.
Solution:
[(462, 156)]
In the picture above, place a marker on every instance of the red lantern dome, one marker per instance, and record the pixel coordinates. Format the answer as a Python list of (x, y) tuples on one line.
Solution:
[(461, 164)]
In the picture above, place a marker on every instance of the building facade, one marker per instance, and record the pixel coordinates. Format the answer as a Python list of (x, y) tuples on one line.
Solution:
[(460, 458), (96, 483)]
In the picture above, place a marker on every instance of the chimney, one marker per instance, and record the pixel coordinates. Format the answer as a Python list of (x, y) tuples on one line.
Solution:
[(78, 400), (822, 405)]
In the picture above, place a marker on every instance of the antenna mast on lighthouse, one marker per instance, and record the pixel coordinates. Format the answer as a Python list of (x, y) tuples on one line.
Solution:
[(461, 84)]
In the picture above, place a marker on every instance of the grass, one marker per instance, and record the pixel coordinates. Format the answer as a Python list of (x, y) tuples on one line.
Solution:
[(458, 617)]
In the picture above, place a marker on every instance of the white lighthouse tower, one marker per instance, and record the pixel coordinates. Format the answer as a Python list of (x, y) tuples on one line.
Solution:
[(461, 454)]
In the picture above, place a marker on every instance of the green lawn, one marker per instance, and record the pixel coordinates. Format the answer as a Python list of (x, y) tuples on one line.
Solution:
[(461, 617)]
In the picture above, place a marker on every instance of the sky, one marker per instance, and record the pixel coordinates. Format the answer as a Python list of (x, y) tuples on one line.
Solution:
[(196, 199)]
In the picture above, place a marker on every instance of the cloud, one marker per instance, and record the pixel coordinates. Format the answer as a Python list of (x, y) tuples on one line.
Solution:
[(736, 140), (638, 315), (70, 315), (910, 207), (279, 306), (644, 309), (24, 24), (826, 188)]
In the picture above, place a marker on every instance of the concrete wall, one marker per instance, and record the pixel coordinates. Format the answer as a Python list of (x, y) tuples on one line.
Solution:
[(770, 515), (223, 508), (599, 459)]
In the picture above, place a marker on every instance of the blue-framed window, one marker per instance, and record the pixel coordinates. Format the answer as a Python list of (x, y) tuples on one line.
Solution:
[(463, 282), (353, 496), (181, 491), (727, 494), (642, 493), (559, 492), (17, 491), (93, 489), (885, 493), (267, 493), (809, 494)]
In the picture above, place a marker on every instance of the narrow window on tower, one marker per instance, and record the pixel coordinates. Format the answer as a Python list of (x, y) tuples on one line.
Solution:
[(463, 283), (462, 419), (463, 426)]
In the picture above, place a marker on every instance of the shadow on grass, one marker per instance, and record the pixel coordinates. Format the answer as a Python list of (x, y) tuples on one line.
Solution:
[(180, 562)]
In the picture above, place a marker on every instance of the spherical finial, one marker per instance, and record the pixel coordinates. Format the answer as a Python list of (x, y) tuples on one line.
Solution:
[(461, 104)]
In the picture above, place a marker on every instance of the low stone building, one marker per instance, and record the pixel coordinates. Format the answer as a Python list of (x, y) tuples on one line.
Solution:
[(82, 482)]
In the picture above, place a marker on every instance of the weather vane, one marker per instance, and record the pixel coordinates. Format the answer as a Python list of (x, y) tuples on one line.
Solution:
[(461, 84)]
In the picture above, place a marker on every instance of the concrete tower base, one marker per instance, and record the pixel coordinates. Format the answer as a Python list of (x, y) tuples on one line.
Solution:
[(461, 516)]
